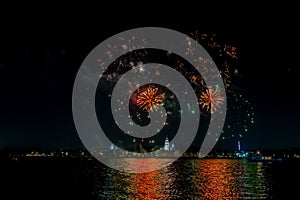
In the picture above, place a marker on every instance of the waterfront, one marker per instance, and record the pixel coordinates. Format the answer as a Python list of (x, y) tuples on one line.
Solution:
[(184, 179)]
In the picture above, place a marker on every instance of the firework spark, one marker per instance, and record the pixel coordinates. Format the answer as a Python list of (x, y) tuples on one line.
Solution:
[(239, 110), (225, 74), (211, 99), (150, 98)]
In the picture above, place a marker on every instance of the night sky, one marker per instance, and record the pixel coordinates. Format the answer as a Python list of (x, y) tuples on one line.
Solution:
[(39, 62)]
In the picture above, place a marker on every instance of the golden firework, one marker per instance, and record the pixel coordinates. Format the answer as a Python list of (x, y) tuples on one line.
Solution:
[(212, 99), (150, 98)]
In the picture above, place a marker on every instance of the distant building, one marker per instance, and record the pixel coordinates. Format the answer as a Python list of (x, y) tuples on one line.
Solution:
[(239, 153), (167, 144), (172, 148), (113, 147)]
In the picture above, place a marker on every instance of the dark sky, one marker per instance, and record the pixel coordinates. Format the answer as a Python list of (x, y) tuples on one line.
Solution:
[(39, 61), (271, 81)]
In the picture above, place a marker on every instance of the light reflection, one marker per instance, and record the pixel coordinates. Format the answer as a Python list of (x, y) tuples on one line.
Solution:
[(256, 182), (188, 179), (220, 179), (147, 184)]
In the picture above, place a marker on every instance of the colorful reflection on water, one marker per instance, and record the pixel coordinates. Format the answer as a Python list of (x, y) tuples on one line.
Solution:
[(187, 179)]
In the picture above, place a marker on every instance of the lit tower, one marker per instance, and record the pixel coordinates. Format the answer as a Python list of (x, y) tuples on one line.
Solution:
[(239, 146), (167, 144), (111, 147)]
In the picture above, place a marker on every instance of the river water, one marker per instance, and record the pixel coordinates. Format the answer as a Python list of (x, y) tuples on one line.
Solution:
[(183, 179), (202, 179)]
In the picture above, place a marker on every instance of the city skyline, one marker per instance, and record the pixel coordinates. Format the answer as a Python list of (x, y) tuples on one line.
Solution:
[(42, 49)]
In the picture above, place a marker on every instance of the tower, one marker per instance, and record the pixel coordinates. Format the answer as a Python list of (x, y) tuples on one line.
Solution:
[(167, 144), (239, 146), (111, 147)]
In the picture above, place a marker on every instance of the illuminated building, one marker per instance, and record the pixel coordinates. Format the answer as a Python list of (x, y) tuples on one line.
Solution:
[(167, 144)]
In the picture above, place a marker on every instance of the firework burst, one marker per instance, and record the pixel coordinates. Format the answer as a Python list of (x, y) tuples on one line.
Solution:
[(240, 112), (150, 98), (225, 74), (211, 99)]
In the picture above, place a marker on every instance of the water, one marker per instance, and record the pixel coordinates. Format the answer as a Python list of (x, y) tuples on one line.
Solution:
[(191, 179), (184, 179)]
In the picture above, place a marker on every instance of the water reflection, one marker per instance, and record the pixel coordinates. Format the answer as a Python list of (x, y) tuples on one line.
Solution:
[(187, 179)]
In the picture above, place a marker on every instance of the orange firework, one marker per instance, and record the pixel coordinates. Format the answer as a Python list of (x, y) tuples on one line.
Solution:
[(211, 99), (150, 98), (225, 74)]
